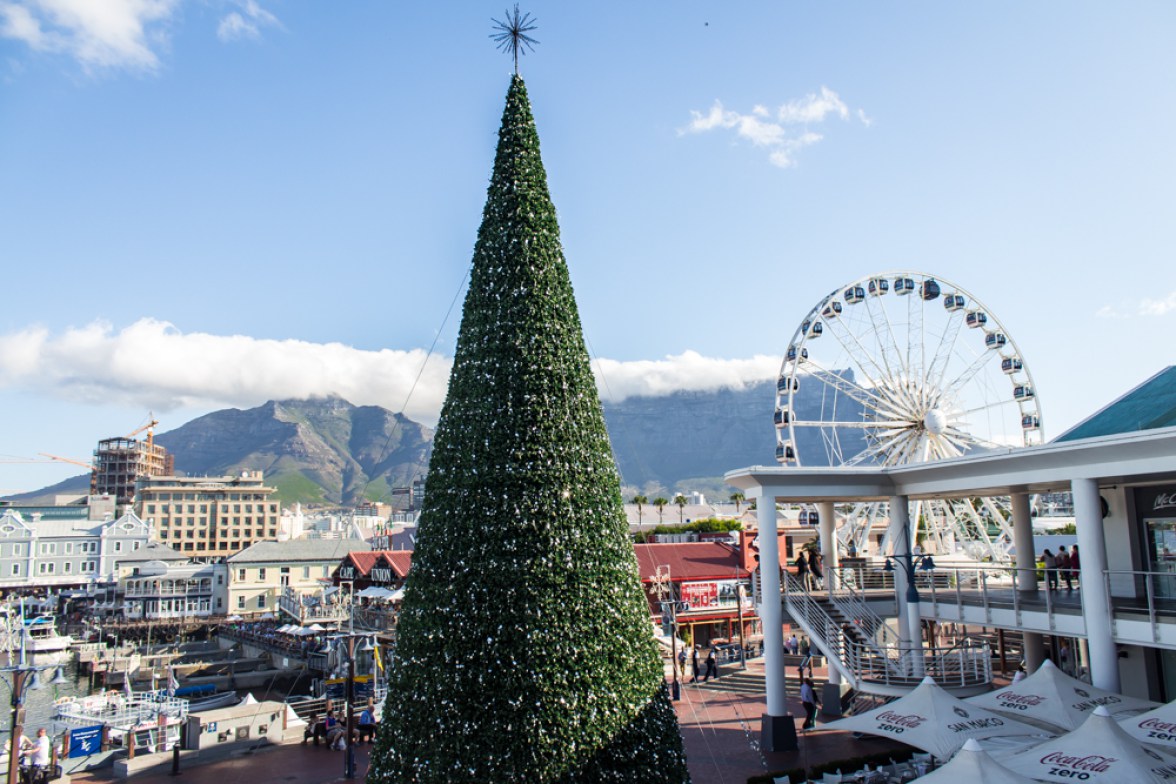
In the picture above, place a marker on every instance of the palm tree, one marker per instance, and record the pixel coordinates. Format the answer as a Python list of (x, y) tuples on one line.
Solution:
[(660, 502), (737, 498), (680, 500), (640, 500)]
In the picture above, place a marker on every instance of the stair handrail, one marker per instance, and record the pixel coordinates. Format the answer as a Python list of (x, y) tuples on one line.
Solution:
[(852, 604)]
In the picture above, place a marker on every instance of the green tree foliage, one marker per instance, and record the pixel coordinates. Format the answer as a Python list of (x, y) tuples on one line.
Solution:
[(524, 651), (660, 502), (706, 525), (641, 501), (680, 502)]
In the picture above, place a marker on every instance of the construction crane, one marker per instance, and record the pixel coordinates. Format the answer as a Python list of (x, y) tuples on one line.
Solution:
[(149, 427), (56, 458)]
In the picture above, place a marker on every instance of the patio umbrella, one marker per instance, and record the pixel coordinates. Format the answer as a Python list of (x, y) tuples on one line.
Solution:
[(931, 719), (1098, 751), (973, 765), (314, 627), (397, 595), (1051, 698), (1157, 727), (374, 592)]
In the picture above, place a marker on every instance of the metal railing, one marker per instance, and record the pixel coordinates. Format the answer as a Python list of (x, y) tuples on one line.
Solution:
[(996, 588), (866, 663), (852, 604), (1142, 592)]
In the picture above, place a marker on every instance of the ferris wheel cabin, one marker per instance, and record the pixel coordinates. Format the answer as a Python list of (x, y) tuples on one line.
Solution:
[(812, 329), (1011, 365), (995, 340), (794, 354), (976, 319), (855, 294), (782, 385), (930, 290), (782, 416), (785, 453), (831, 310), (1022, 392), (953, 302), (1028, 422), (903, 286), (878, 286)]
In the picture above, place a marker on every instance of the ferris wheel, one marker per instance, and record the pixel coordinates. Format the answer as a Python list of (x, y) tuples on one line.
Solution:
[(906, 367)]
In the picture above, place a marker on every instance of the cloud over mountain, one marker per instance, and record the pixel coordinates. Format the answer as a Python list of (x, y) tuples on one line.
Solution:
[(151, 364)]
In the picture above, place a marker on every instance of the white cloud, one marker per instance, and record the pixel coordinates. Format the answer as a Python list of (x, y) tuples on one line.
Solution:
[(246, 23), (1145, 307), (780, 134), (99, 34), (152, 365)]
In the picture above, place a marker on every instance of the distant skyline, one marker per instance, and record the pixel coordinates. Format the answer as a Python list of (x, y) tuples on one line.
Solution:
[(215, 203)]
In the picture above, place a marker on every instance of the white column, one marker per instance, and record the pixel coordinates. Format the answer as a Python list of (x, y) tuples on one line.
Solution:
[(771, 607), (830, 558), (897, 534), (1104, 657), (1026, 574)]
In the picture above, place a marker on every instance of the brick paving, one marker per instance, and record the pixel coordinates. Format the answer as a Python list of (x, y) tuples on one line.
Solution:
[(720, 729)]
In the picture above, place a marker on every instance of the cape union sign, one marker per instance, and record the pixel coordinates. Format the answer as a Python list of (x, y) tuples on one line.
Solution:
[(889, 721)]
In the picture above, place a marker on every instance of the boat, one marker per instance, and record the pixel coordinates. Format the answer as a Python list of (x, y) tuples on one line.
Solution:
[(149, 719), (41, 635), (204, 697)]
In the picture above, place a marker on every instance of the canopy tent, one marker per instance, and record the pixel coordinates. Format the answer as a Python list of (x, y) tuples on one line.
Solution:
[(234, 618), (1157, 727), (269, 616), (1098, 751), (397, 595), (375, 592), (1053, 699), (973, 765), (314, 627), (931, 719), (286, 628)]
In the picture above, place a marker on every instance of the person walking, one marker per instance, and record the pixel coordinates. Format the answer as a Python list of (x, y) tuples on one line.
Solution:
[(1063, 559), (815, 570), (808, 698), (802, 570), (694, 671), (1050, 563), (793, 645), (682, 662), (1074, 563), (712, 666)]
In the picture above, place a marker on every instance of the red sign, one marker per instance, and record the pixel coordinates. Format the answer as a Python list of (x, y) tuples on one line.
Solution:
[(700, 595)]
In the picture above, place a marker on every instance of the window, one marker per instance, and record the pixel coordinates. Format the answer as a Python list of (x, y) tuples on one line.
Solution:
[(306, 573), (261, 574), (261, 602), (118, 547), (68, 548), (137, 545), (218, 603), (46, 568), (69, 566), (240, 602), (16, 549), (15, 570), (240, 573), (48, 548)]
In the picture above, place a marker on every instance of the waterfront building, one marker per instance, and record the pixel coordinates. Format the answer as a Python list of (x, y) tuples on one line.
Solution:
[(377, 568), (159, 590), (708, 579), (210, 517), (66, 552), (1119, 467), (262, 573)]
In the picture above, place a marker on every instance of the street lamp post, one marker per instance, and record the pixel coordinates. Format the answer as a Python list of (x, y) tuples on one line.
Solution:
[(349, 760), (910, 564)]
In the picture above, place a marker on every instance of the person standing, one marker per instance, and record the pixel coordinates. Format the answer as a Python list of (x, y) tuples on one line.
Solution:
[(793, 645), (802, 570), (694, 671), (808, 698), (712, 666), (1063, 559), (682, 662), (1074, 563), (1051, 570)]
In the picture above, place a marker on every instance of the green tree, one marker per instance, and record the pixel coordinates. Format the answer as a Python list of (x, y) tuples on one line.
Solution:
[(523, 649), (641, 501), (680, 500), (737, 499), (660, 502)]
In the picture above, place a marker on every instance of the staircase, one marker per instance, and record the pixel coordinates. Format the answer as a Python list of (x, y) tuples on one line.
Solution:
[(869, 654)]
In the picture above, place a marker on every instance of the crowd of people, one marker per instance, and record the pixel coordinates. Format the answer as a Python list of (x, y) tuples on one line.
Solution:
[(1060, 567), (334, 732)]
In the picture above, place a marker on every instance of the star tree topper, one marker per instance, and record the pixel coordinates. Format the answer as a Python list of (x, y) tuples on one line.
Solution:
[(511, 34)]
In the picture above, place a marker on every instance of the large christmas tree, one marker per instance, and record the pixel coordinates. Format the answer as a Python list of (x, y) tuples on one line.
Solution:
[(524, 649)]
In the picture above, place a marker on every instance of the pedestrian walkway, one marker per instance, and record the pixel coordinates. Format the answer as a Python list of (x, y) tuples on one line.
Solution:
[(720, 723)]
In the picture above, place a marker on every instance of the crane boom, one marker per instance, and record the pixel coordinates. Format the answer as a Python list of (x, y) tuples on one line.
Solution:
[(87, 466)]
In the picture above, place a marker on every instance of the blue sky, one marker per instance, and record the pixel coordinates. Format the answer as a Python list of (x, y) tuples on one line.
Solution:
[(214, 203)]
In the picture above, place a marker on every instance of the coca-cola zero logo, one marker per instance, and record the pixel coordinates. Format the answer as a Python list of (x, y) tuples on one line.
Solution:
[(909, 721), (1094, 763)]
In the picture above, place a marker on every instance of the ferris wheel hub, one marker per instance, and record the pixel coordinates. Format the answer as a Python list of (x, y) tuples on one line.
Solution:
[(935, 422)]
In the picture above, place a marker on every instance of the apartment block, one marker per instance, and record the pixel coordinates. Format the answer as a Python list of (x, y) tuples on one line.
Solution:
[(209, 517)]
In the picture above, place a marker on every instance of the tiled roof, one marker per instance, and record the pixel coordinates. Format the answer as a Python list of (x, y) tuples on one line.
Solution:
[(690, 561), (299, 550), (398, 560)]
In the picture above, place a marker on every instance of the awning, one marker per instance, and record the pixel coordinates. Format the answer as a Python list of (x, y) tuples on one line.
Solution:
[(1097, 752), (931, 719), (973, 765)]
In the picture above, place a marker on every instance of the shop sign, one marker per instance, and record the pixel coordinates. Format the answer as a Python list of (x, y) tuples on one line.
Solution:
[(1156, 501)]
